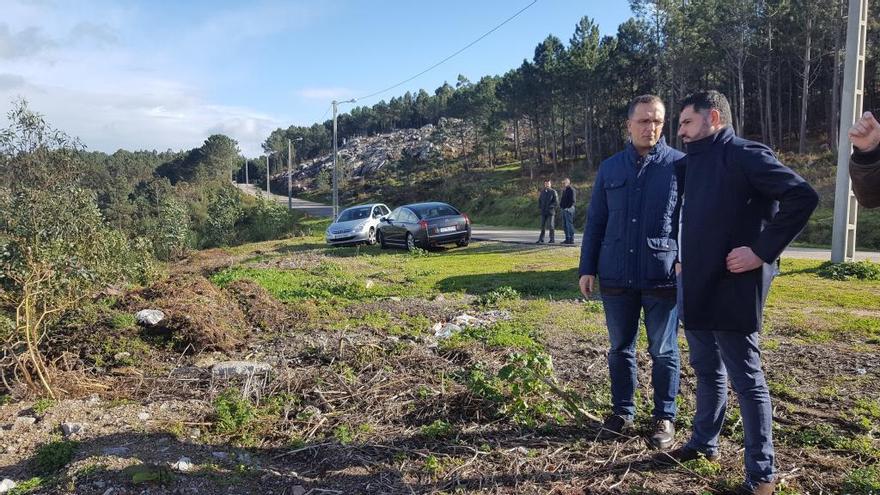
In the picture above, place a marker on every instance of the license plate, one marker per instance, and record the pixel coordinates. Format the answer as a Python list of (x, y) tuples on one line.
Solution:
[(447, 229)]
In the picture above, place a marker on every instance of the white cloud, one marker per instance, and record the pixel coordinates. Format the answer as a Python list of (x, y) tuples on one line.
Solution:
[(90, 82)]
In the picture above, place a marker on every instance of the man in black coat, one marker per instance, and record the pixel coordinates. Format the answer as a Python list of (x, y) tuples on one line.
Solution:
[(566, 204), (547, 203), (864, 164), (740, 209)]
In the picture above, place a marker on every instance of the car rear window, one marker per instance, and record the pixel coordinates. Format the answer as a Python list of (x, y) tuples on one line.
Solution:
[(434, 211), (354, 214)]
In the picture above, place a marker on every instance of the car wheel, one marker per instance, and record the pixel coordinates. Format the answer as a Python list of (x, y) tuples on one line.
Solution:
[(463, 242), (381, 240), (410, 242), (371, 237)]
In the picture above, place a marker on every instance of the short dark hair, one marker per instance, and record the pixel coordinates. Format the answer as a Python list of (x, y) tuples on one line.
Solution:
[(708, 100), (643, 99)]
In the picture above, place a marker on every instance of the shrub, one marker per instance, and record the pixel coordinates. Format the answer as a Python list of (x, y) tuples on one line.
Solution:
[(861, 270)]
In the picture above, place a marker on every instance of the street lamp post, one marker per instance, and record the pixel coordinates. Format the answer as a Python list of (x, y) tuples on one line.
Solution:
[(290, 174), (267, 176), (246, 181), (335, 104), (843, 237)]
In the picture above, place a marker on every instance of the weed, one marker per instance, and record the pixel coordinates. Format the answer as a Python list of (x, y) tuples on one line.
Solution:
[(863, 481), (437, 429), (703, 467), (53, 456), (42, 405), (234, 413), (433, 466), (500, 294), (861, 270), (343, 434), (27, 486)]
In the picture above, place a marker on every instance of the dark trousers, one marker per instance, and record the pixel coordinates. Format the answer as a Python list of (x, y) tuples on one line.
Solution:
[(548, 221), (716, 358)]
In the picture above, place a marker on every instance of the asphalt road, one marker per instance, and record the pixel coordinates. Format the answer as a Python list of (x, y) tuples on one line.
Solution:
[(314, 209), (527, 236)]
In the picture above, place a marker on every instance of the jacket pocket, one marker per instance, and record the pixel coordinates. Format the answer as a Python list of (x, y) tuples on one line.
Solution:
[(610, 259), (660, 262), (615, 193)]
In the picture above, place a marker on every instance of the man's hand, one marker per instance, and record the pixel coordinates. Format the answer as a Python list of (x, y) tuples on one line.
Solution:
[(586, 283), (743, 259), (865, 133), (678, 268)]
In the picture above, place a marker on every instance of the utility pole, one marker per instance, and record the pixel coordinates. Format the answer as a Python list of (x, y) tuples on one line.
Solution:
[(843, 237), (246, 181), (267, 177), (289, 184), (335, 104)]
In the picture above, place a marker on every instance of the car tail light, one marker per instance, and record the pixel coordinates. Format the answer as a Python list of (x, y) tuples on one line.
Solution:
[(423, 224), (467, 219)]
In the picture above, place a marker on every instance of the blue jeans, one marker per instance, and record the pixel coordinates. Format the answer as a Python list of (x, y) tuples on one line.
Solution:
[(568, 223), (715, 356), (622, 311)]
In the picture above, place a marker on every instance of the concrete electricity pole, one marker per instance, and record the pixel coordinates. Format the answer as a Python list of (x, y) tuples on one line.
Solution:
[(843, 237), (335, 103), (267, 177), (290, 173), (246, 181)]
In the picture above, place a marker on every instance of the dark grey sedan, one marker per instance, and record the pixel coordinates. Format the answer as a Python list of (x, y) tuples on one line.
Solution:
[(424, 225)]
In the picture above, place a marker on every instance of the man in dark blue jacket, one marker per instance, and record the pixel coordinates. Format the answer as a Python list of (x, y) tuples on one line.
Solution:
[(740, 209), (630, 244)]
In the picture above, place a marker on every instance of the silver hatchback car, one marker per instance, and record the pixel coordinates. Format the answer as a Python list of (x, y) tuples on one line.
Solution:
[(357, 224)]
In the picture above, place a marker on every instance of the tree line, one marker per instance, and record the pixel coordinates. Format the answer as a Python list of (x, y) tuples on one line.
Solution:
[(780, 63)]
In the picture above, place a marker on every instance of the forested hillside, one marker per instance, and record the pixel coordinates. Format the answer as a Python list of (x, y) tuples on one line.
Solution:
[(778, 61)]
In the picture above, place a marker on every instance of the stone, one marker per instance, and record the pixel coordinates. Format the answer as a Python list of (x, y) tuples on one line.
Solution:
[(369, 284), (143, 416), (446, 331), (220, 455), (23, 422), (184, 464), (6, 485), (121, 356), (71, 429), (298, 490), (115, 451), (149, 317), (228, 369)]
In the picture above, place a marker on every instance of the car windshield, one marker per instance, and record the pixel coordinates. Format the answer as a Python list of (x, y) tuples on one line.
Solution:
[(354, 214), (433, 211)]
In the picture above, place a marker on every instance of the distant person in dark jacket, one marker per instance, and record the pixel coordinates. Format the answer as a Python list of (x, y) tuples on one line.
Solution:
[(566, 204), (739, 211), (547, 203), (864, 164), (630, 243)]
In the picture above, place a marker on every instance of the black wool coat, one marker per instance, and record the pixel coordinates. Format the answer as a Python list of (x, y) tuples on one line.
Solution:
[(736, 193)]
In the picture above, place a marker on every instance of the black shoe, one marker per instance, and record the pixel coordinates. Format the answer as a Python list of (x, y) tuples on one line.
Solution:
[(615, 427), (762, 488), (662, 434), (682, 454), (539, 241), (551, 242)]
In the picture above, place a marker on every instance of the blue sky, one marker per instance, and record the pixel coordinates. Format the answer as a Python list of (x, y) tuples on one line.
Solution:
[(166, 74)]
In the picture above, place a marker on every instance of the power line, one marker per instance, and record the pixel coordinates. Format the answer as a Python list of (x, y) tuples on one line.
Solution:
[(472, 43)]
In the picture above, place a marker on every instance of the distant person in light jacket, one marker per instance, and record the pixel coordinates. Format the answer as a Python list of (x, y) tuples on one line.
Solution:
[(547, 203), (864, 164), (566, 204)]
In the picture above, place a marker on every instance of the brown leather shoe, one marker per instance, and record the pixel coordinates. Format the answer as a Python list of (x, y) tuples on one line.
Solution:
[(662, 434), (682, 454), (762, 488)]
